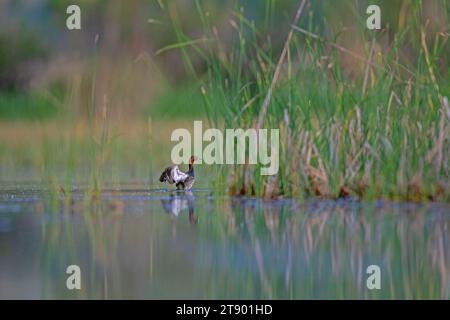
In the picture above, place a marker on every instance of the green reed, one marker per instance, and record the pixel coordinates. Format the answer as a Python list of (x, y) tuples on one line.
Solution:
[(380, 130)]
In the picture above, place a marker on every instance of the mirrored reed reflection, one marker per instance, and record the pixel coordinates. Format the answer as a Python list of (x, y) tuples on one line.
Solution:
[(193, 245)]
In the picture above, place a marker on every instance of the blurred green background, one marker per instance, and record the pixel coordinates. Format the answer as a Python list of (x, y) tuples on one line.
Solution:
[(40, 59)]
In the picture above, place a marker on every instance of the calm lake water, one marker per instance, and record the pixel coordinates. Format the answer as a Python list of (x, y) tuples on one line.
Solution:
[(143, 244)]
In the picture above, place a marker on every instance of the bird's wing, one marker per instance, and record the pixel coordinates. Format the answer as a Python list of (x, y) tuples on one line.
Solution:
[(189, 182), (177, 175)]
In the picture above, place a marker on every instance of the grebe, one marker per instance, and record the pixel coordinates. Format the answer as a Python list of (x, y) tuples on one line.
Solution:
[(183, 180)]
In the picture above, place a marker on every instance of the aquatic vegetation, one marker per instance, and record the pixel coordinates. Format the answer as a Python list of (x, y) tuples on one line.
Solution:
[(378, 127)]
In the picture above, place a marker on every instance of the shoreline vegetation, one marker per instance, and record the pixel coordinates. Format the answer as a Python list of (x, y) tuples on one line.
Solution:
[(361, 113), (381, 132)]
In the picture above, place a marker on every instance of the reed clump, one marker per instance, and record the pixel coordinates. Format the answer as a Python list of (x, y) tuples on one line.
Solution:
[(379, 128)]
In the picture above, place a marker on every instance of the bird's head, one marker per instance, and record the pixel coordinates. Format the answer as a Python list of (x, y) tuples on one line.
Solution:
[(192, 159)]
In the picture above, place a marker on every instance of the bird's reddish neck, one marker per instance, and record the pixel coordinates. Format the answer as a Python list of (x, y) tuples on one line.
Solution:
[(191, 167)]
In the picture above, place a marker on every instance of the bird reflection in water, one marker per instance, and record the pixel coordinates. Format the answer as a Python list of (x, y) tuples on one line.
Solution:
[(179, 201)]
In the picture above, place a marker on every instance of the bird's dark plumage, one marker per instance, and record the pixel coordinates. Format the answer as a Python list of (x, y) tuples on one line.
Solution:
[(183, 180)]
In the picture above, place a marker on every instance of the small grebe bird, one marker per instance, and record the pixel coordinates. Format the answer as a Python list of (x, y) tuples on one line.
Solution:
[(183, 180)]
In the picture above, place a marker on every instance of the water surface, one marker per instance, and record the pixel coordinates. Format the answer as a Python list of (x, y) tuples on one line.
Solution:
[(141, 244)]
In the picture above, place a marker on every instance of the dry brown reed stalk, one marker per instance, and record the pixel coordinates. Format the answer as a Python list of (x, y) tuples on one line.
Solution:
[(316, 176), (369, 60), (427, 59), (271, 188), (276, 75), (354, 55), (436, 154)]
